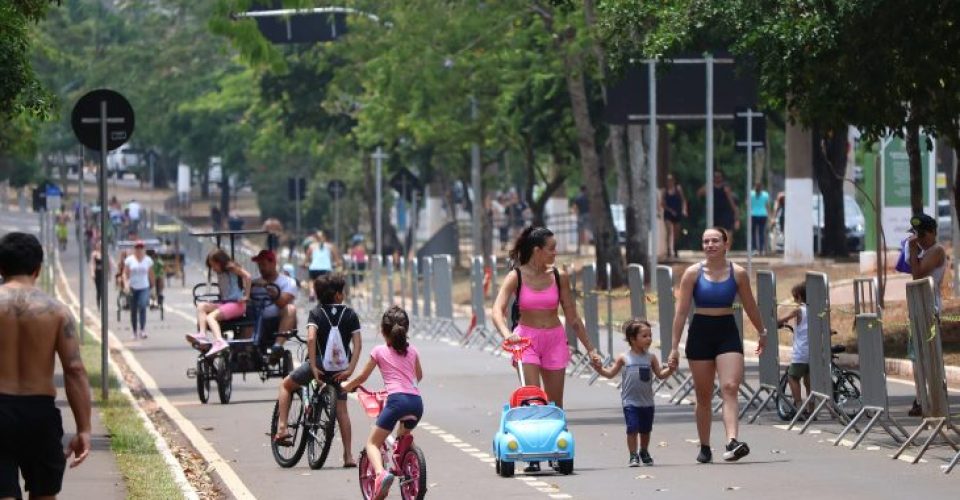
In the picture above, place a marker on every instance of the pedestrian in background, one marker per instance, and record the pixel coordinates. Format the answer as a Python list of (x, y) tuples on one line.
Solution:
[(759, 212), (673, 204), (726, 214)]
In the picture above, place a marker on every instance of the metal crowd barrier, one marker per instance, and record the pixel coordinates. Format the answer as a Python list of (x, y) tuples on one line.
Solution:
[(873, 380), (818, 331), (770, 357), (928, 371)]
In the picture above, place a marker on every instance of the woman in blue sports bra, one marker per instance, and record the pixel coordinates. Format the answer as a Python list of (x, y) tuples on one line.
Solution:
[(714, 346)]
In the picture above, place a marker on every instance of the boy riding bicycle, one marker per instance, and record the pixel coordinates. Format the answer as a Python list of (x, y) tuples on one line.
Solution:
[(333, 340), (399, 365)]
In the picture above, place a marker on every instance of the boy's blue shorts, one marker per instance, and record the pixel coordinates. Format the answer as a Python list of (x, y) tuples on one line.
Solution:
[(639, 419)]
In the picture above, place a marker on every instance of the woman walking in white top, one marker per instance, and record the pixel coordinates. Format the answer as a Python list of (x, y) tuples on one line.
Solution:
[(138, 280)]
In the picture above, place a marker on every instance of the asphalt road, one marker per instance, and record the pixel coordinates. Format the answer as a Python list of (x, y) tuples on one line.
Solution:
[(463, 392)]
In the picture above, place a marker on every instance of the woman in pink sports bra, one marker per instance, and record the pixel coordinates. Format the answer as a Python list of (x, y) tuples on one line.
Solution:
[(543, 288)]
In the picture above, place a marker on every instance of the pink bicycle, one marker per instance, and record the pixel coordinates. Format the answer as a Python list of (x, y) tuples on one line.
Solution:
[(406, 460)]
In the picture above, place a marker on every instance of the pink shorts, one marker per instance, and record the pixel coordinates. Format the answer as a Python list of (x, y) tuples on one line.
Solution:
[(548, 346), (231, 310)]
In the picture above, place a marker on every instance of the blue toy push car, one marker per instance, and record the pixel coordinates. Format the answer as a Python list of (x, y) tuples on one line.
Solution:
[(531, 428)]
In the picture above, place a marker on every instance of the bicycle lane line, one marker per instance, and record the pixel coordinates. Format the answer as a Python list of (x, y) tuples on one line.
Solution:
[(229, 477)]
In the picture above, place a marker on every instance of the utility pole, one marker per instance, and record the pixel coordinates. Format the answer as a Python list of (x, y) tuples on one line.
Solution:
[(378, 157)]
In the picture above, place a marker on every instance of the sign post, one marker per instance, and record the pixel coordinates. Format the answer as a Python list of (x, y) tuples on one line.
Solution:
[(749, 136), (378, 157), (336, 188), (103, 120)]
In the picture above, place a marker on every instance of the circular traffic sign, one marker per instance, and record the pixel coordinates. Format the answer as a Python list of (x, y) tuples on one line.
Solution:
[(336, 188), (89, 113)]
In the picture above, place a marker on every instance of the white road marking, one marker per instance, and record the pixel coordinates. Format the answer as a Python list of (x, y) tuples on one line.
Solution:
[(227, 474)]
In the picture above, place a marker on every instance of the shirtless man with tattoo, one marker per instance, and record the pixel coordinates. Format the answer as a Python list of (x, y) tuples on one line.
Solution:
[(34, 326)]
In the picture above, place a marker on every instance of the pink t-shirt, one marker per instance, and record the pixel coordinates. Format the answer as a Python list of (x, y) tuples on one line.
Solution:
[(399, 372)]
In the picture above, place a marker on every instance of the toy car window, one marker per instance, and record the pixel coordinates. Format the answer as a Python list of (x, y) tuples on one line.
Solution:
[(534, 413)]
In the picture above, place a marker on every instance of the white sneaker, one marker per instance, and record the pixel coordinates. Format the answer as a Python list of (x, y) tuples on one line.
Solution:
[(217, 347)]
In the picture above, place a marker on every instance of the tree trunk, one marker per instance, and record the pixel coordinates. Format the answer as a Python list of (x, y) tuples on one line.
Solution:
[(619, 154), (225, 196), (829, 158), (637, 209), (205, 184), (604, 234), (912, 140)]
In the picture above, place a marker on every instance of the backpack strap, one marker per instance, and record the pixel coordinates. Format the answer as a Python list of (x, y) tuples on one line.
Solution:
[(342, 314)]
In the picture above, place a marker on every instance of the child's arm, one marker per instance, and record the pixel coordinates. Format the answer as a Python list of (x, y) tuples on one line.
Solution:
[(662, 372), (245, 279), (419, 370), (364, 375), (613, 370), (794, 314), (355, 342), (312, 351)]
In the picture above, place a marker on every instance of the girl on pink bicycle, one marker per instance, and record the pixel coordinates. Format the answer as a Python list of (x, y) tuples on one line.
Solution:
[(399, 365)]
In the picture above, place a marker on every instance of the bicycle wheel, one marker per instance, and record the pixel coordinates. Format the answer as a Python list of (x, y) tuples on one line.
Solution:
[(221, 368), (785, 408), (288, 456), (846, 392), (367, 476), (324, 414), (413, 471), (203, 381)]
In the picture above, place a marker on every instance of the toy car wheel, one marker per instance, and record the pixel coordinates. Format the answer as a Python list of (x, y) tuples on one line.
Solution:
[(497, 466), (565, 467), (506, 469)]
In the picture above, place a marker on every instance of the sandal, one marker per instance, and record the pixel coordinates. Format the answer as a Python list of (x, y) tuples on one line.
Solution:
[(349, 465), (283, 440)]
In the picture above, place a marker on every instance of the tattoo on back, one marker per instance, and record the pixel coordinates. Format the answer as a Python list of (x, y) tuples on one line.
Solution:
[(27, 303)]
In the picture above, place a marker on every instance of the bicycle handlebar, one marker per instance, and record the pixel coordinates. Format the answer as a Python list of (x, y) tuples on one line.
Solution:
[(292, 334)]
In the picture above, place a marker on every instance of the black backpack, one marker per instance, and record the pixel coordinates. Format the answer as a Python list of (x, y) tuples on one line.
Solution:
[(515, 309)]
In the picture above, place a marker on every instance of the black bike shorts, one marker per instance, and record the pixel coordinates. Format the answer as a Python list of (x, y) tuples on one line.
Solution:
[(30, 443), (711, 336)]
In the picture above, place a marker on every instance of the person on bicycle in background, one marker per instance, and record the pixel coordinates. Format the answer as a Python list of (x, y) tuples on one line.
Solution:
[(280, 315), (333, 337), (399, 365), (234, 283), (159, 275), (800, 359)]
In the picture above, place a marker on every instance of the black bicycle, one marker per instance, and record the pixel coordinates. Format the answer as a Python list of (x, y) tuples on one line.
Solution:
[(846, 387), (310, 422)]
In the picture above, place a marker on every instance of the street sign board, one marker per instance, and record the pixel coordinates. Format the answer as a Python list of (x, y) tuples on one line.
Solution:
[(336, 188), (293, 183), (406, 183), (299, 28), (758, 128), (86, 118)]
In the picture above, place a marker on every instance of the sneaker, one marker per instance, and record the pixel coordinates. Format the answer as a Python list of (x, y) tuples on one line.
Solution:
[(217, 347), (735, 451), (143, 334), (634, 460), (197, 338), (645, 457), (533, 467), (705, 456), (381, 485)]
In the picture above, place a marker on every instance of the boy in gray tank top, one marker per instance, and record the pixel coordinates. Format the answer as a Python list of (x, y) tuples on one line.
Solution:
[(636, 390)]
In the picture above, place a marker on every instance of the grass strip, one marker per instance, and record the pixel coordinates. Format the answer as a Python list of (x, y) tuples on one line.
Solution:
[(144, 470)]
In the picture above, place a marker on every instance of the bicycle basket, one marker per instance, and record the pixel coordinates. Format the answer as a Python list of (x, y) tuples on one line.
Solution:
[(372, 402)]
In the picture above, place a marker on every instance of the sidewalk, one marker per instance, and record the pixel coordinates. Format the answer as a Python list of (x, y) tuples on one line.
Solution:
[(98, 476)]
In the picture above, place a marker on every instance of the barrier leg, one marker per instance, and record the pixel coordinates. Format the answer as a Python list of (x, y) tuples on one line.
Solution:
[(683, 391), (772, 392), (753, 399), (952, 464)]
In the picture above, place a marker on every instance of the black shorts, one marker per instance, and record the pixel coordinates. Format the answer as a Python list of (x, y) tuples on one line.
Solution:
[(30, 443), (639, 419), (711, 336)]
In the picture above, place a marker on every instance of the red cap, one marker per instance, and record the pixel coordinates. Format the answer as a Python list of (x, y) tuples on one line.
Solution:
[(267, 255)]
